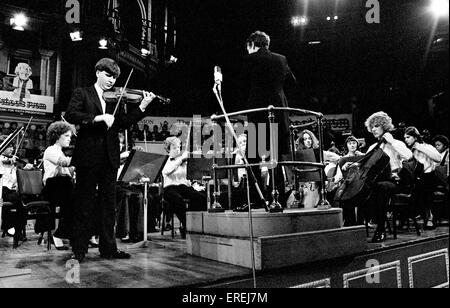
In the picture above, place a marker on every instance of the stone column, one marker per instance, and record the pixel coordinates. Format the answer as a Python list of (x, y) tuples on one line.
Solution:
[(45, 71)]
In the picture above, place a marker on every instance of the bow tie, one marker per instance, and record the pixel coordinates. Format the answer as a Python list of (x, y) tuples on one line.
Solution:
[(172, 158)]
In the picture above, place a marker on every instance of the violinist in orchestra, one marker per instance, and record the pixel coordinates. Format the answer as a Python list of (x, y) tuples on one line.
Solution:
[(96, 156), (343, 167), (176, 185), (380, 125), (423, 173), (59, 179), (310, 190), (12, 222)]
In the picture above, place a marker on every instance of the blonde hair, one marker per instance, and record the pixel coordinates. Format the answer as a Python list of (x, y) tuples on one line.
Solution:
[(379, 118), (170, 141), (23, 66)]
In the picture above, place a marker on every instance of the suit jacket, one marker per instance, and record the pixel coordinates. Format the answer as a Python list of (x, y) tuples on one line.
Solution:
[(264, 74), (95, 143)]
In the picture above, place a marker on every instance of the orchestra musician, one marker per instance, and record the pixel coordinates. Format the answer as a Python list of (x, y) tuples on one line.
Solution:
[(96, 158), (58, 179), (176, 185), (380, 125), (12, 222)]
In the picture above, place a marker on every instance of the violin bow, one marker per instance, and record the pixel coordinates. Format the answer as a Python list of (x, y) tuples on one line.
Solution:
[(19, 144), (123, 92), (145, 140), (62, 118), (188, 139)]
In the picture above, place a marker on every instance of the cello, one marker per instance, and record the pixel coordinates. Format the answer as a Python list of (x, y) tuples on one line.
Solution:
[(362, 176)]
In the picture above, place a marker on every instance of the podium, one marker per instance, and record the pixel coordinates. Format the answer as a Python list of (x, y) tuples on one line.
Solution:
[(142, 168)]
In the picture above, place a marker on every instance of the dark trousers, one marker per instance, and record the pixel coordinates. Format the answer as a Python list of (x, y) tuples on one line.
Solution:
[(379, 200), (11, 219), (59, 191), (175, 195), (423, 193), (87, 207), (282, 143)]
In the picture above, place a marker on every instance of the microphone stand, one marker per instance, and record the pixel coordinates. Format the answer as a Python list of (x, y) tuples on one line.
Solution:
[(217, 92), (216, 206)]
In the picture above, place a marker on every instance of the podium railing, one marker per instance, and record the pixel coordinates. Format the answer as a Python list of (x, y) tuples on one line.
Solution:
[(323, 203)]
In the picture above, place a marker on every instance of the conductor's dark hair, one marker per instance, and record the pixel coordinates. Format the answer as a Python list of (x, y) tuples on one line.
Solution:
[(260, 39)]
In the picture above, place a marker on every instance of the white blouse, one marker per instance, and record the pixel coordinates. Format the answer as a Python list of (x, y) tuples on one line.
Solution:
[(55, 162)]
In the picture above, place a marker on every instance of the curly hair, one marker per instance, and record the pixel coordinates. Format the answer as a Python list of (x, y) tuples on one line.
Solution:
[(170, 141), (56, 129), (442, 139), (23, 67), (315, 141), (379, 118)]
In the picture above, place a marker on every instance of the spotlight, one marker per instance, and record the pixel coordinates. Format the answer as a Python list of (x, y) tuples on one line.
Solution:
[(19, 21), (103, 43), (336, 17), (328, 18), (75, 36), (299, 21), (439, 8)]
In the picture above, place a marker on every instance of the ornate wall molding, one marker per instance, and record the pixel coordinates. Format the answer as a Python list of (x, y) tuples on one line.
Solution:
[(428, 256)]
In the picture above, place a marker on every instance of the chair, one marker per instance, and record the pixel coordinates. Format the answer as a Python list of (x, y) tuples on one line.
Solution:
[(30, 186), (165, 209), (402, 203), (8, 206)]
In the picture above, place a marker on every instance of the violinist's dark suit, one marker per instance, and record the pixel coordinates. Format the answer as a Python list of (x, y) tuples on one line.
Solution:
[(96, 159), (264, 74)]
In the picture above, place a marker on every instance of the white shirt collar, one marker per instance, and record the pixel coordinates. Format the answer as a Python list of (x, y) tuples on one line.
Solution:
[(100, 96)]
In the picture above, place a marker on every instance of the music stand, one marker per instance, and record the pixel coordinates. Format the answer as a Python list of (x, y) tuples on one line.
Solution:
[(201, 167), (307, 155), (144, 168)]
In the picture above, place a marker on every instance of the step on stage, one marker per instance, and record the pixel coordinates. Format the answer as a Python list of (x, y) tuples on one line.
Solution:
[(296, 249)]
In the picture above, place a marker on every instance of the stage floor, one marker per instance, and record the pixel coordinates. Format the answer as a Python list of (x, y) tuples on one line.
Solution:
[(164, 263)]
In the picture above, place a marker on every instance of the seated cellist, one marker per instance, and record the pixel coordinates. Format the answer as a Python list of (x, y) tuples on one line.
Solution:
[(380, 125)]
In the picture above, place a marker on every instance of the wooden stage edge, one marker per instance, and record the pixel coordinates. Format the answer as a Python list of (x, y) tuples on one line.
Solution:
[(410, 261)]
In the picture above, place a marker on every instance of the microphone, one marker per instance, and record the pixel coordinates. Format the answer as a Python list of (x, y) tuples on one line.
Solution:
[(218, 77)]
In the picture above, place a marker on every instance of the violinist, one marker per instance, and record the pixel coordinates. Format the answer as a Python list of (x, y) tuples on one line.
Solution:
[(380, 125), (58, 178), (176, 185), (96, 157), (12, 224)]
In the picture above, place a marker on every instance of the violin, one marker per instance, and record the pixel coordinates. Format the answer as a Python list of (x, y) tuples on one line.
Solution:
[(129, 95), (12, 159)]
